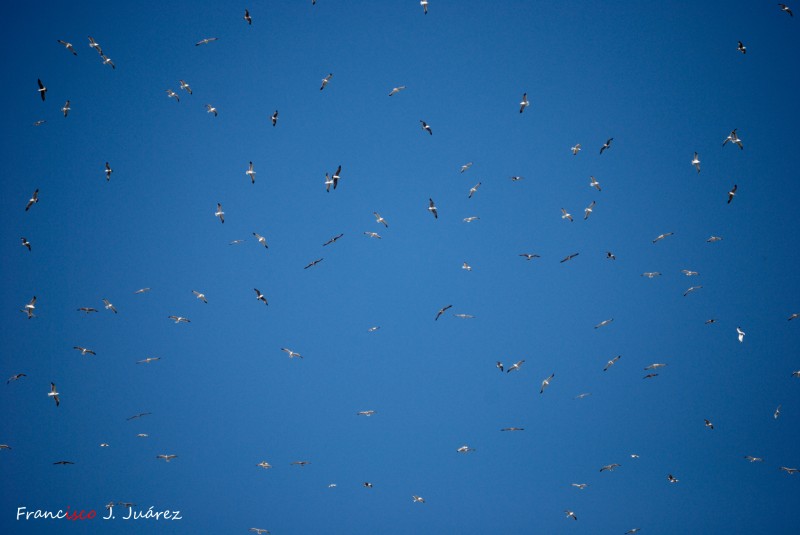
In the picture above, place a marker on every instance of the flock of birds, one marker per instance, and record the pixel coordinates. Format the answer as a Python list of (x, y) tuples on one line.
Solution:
[(331, 181)]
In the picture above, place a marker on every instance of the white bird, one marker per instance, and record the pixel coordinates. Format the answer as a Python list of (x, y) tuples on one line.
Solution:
[(108, 172), (42, 89), (396, 90), (84, 351), (65, 110), (655, 366), (708, 423), (142, 290), (313, 263), (148, 360), (251, 173), (530, 256), (275, 118), (95, 45), (424, 4), (740, 333), (473, 189), (790, 471), (185, 86), (690, 290), (588, 210), (732, 192), (465, 449), (570, 514), (166, 457), (109, 306), (373, 329), (325, 81), (741, 48), (292, 354), (206, 41), (524, 104), (247, 17), (568, 258), (499, 366), (546, 383), (651, 274), (261, 239), (432, 208), (516, 366), (365, 413), (584, 395), (580, 486), (29, 308), (179, 319), (200, 296), (260, 296), (335, 177), (373, 235), (611, 362), (610, 467), (689, 273), (426, 127), (466, 267), (219, 213), (172, 94), (33, 200), (733, 137), (777, 412), (517, 178), (566, 215), (672, 479), (662, 236), (54, 394), (786, 9), (107, 61), (753, 459), (471, 218), (603, 323), (576, 149), (380, 219), (610, 255), (68, 46), (466, 166), (606, 145), (713, 239), (593, 183), (211, 109), (696, 162), (265, 465)]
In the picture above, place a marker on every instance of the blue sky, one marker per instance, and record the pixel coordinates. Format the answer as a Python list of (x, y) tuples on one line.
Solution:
[(664, 80)]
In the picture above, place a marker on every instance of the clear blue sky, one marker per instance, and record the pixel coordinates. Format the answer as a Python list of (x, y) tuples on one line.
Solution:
[(663, 79)]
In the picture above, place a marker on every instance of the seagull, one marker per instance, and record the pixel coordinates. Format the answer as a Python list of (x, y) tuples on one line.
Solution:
[(470, 219), (432, 208), (499, 366), (651, 274), (206, 41), (424, 4), (93, 44), (712, 320), (473, 189), (335, 176), (790, 471), (796, 374), (172, 94), (655, 366), (87, 309), (260, 296), (593, 183), (662, 236), (611, 362), (396, 90), (576, 149), (85, 351), (63, 462), (418, 499), (546, 383), (783, 7), (753, 459), (740, 333), (713, 239), (167, 458), (732, 192), (650, 376), (580, 486), (373, 235), (68, 46), (261, 239), (610, 255), (147, 360), (530, 256), (108, 172), (185, 86), (15, 377), (566, 215), (570, 514), (211, 109), (33, 200), (179, 319), (568, 258), (464, 316), (380, 219), (690, 290), (793, 316), (219, 213), (606, 145), (588, 210), (54, 394), (332, 240), (603, 323), (708, 424), (689, 273), (107, 61), (42, 89), (26, 243), (466, 267), (515, 366), (200, 296), (325, 81), (247, 17), (777, 412), (466, 166), (65, 110), (696, 162), (426, 127), (741, 48), (733, 137), (524, 104), (610, 467), (465, 449), (142, 290), (5, 447), (251, 173), (517, 178), (235, 242), (631, 531), (441, 311), (30, 307), (260, 531), (365, 413), (314, 263), (264, 464), (368, 485), (672, 479), (373, 329), (584, 395), (513, 429), (109, 306), (275, 118), (40, 122)]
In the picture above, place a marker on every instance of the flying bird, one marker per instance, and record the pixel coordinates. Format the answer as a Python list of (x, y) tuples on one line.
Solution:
[(783, 7), (576, 149), (740, 333), (741, 48), (672, 479), (516, 366), (546, 383), (566, 215), (441, 311), (777, 412), (137, 416), (611, 362), (261, 239), (570, 514), (275, 118), (15, 377), (142, 290), (426, 127), (708, 424), (418, 499), (473, 189), (211, 109), (696, 162), (219, 213), (380, 219), (499, 366), (396, 90), (593, 183), (88, 310), (424, 4), (530, 256), (29, 308), (365, 413), (603, 323), (610, 255), (292, 354), (148, 360), (513, 429), (95, 45), (588, 210), (260, 296), (689, 273), (606, 145), (790, 471), (517, 178), (690, 290), (610, 467), (732, 192), (54, 394), (65, 110), (335, 176), (205, 41), (568, 258), (332, 240), (793, 316), (185, 86), (752, 459), (466, 267), (109, 306), (26, 243), (373, 235), (654, 366), (584, 395), (63, 462), (662, 236), (471, 218), (650, 376), (172, 94), (247, 17), (85, 351), (432, 208), (580, 486), (167, 458), (107, 61), (251, 173), (368, 485), (42, 89), (200, 296), (179, 319), (733, 137), (325, 81), (465, 449), (265, 465), (466, 166), (108, 172), (40, 122), (313, 263), (68, 46), (713, 239), (524, 104)]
